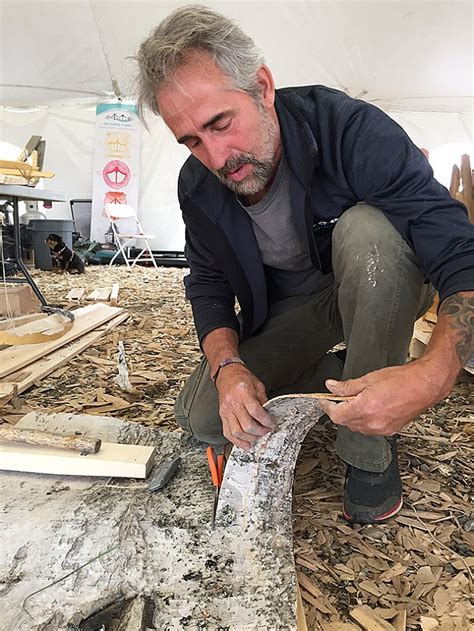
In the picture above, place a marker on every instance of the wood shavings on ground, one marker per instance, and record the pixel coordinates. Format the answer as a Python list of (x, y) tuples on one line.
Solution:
[(415, 573)]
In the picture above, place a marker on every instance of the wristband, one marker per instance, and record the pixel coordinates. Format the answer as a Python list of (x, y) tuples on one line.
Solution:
[(226, 362)]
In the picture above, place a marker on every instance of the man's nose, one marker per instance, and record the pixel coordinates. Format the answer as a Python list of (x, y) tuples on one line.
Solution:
[(217, 154)]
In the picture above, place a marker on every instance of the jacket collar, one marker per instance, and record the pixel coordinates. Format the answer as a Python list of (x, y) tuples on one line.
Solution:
[(298, 140), (300, 148)]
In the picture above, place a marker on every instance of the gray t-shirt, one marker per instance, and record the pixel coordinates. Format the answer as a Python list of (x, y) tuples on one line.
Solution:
[(283, 245)]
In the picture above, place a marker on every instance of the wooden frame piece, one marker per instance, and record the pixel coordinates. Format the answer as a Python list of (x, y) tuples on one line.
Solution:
[(113, 460)]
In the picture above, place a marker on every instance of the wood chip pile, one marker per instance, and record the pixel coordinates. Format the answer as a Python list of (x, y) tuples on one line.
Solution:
[(415, 573)]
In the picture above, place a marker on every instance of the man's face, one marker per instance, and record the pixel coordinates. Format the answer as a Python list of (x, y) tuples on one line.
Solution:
[(232, 134)]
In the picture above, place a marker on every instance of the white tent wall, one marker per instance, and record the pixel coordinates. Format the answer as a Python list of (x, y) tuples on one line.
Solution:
[(69, 134), (412, 59)]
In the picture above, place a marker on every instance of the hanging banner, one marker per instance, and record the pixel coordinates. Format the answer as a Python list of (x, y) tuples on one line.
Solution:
[(116, 163)]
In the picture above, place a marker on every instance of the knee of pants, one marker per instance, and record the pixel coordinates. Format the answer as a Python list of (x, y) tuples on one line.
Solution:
[(199, 418), (364, 239)]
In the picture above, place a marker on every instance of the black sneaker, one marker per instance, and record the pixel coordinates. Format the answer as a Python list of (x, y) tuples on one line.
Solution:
[(373, 498)]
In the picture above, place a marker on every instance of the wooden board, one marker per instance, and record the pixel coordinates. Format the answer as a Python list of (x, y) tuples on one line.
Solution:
[(113, 460), (27, 172), (76, 293), (466, 180), (17, 301), (101, 294), (87, 318), (20, 381), (421, 337), (114, 294)]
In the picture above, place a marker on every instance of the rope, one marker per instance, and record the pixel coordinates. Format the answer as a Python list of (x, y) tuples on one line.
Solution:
[(113, 81)]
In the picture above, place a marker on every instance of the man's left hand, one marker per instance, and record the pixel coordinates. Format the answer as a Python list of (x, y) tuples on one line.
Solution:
[(385, 400)]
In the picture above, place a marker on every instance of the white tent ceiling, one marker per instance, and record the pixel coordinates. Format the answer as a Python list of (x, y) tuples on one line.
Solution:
[(412, 59), (400, 55)]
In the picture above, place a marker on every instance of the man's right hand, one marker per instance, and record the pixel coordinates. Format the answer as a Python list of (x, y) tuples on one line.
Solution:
[(241, 397)]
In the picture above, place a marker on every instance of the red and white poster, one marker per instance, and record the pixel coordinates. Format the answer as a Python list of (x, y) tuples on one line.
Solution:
[(116, 162)]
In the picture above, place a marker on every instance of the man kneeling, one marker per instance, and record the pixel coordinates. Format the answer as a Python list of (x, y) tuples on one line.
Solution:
[(316, 212)]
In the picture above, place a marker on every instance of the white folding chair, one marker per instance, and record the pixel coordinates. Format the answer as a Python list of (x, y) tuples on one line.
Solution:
[(116, 213)]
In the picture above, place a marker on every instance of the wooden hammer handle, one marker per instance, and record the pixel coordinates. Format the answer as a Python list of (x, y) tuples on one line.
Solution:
[(59, 441)]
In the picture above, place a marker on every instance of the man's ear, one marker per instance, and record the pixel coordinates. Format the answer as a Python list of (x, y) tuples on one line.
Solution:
[(266, 85)]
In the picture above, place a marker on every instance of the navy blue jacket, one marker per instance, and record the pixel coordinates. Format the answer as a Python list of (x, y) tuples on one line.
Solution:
[(341, 151)]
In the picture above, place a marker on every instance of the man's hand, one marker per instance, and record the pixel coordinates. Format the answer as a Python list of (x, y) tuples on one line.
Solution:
[(241, 396), (386, 400)]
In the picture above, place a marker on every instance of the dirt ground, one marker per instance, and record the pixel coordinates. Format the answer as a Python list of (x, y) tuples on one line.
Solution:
[(421, 563)]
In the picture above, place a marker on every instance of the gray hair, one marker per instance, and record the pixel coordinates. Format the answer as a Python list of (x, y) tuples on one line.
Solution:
[(195, 27)]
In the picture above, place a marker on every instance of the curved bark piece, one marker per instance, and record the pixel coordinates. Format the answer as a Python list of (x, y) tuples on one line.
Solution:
[(72, 546), (257, 485), (255, 501)]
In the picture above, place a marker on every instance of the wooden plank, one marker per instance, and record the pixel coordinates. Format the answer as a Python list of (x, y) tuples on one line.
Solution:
[(17, 301), (87, 318), (16, 164), (114, 294), (455, 181), (417, 348), (422, 334), (466, 181), (104, 294), (76, 293), (101, 294), (93, 294), (28, 172), (369, 620), (113, 460), (36, 371)]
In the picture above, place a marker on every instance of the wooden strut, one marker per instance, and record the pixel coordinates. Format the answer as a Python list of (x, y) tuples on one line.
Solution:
[(59, 441)]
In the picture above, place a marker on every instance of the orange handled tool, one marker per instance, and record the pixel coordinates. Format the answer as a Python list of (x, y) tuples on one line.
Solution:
[(216, 465)]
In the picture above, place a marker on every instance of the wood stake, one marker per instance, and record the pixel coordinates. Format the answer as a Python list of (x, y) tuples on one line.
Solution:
[(114, 294), (58, 441)]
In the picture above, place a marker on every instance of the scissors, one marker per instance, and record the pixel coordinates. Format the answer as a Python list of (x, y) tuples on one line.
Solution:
[(216, 465)]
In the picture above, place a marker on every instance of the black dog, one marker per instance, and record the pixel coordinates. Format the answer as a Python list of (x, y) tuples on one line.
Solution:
[(64, 260)]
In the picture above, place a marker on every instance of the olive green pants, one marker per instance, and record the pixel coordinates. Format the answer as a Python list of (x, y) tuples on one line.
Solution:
[(377, 294)]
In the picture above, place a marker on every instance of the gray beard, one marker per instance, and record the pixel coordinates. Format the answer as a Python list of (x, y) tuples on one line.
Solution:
[(264, 167), (252, 184)]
